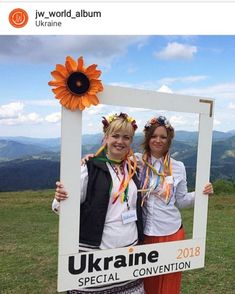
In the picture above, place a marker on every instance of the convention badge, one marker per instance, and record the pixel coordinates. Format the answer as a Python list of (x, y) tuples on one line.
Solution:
[(129, 216)]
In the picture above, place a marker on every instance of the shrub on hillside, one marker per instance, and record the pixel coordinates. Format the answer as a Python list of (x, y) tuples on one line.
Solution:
[(222, 186)]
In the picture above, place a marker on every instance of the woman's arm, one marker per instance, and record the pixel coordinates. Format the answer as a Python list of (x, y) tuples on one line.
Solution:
[(183, 197), (61, 193)]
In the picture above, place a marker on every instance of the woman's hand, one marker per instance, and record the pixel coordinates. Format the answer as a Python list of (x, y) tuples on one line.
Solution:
[(208, 189), (86, 158), (60, 194)]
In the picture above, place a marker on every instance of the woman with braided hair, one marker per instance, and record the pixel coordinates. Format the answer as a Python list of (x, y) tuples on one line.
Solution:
[(164, 191), (108, 194)]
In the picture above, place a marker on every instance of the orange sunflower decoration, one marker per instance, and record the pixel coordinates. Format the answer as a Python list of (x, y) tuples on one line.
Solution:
[(75, 85)]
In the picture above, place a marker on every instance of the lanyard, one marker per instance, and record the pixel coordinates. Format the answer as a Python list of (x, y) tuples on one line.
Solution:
[(124, 184)]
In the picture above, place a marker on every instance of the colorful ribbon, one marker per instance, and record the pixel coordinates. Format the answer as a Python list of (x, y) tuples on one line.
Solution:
[(151, 178), (131, 167)]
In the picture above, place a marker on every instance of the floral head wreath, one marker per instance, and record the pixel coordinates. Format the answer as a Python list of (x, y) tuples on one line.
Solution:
[(161, 120), (110, 118)]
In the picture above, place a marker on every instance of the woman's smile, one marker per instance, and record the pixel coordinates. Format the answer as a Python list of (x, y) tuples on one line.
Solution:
[(158, 142), (118, 144)]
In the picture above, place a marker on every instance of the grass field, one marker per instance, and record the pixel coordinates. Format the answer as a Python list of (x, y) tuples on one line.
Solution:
[(28, 245)]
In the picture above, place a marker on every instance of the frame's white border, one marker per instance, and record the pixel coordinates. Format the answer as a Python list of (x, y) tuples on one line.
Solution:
[(70, 176)]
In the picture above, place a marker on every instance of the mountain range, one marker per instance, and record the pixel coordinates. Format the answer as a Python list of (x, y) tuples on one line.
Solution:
[(33, 163)]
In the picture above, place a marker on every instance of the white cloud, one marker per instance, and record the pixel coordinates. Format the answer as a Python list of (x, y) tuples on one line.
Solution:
[(121, 84), (192, 79), (161, 85), (216, 122), (165, 89), (148, 85), (177, 120), (23, 119), (11, 110), (186, 79), (45, 102), (136, 110), (53, 117), (31, 118), (176, 50), (98, 109), (142, 43), (106, 49), (225, 91), (224, 94), (231, 105)]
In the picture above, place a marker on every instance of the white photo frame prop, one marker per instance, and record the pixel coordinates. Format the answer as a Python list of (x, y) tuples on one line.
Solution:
[(113, 265)]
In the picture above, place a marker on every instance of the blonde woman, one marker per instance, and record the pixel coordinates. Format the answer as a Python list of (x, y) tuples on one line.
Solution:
[(108, 192)]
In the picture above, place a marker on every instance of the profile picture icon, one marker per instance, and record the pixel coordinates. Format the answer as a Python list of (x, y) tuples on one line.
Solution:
[(18, 18)]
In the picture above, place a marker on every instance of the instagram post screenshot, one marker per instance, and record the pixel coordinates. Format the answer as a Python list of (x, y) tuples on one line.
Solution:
[(117, 135)]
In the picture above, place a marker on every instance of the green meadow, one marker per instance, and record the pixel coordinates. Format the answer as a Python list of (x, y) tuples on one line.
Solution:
[(28, 245)]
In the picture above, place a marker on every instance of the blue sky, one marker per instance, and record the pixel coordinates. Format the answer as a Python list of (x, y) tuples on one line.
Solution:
[(192, 65)]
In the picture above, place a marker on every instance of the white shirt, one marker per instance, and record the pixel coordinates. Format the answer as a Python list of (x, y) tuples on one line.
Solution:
[(115, 233), (160, 218)]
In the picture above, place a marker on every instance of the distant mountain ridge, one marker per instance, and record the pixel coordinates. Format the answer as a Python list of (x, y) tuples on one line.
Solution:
[(10, 149), (32, 163), (50, 142), (184, 136), (18, 147)]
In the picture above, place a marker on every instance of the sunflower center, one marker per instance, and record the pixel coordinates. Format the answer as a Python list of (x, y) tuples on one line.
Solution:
[(78, 83)]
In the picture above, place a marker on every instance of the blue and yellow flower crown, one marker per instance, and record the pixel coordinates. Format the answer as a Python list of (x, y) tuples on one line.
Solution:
[(111, 117), (161, 120)]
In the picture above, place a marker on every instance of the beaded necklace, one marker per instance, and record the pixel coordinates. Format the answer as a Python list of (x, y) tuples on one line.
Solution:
[(118, 169)]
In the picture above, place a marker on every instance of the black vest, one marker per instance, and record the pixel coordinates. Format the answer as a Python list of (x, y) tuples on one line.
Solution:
[(93, 210)]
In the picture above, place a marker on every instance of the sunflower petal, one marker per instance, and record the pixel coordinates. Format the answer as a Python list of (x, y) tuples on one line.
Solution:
[(57, 75), (94, 99), (62, 69), (80, 64), (94, 75), (95, 86), (56, 83), (58, 90), (71, 64), (85, 100), (96, 83), (60, 93), (74, 102), (70, 102), (93, 91), (64, 100), (81, 107), (91, 68)]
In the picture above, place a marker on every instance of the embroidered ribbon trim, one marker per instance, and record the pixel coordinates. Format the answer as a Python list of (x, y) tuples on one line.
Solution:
[(131, 167)]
